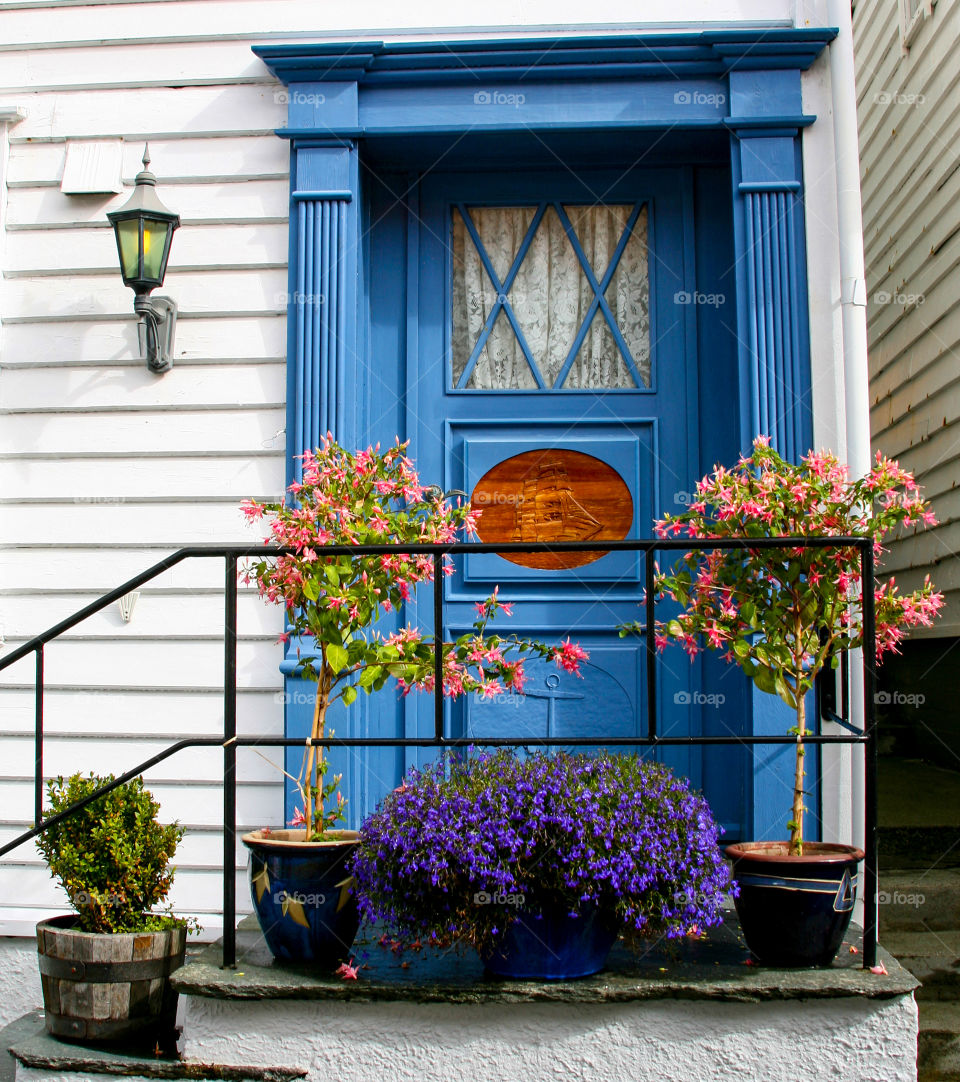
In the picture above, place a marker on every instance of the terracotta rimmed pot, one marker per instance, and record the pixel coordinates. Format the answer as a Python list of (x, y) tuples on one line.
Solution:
[(553, 946), (108, 986), (303, 894), (795, 910)]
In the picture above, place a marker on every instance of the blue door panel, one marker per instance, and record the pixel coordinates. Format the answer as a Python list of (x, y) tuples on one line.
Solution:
[(647, 435), (627, 447)]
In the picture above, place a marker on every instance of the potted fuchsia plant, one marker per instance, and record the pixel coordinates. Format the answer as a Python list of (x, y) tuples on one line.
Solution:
[(301, 889), (782, 615)]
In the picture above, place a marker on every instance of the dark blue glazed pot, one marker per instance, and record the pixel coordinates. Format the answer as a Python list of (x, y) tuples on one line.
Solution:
[(794, 910), (554, 946), (303, 895)]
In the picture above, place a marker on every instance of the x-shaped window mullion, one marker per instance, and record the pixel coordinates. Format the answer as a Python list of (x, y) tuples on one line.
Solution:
[(599, 289), (502, 290)]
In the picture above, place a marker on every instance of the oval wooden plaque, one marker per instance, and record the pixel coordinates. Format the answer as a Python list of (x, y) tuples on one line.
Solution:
[(552, 495)]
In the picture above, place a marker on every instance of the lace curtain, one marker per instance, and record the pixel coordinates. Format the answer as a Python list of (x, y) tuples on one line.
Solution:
[(550, 297)]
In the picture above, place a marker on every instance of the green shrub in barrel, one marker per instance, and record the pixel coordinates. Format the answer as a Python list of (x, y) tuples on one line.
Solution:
[(105, 968)]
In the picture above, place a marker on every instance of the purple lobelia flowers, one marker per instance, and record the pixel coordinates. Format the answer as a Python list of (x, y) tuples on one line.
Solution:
[(462, 848)]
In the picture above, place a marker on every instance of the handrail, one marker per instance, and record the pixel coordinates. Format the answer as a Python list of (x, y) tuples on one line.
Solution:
[(230, 741)]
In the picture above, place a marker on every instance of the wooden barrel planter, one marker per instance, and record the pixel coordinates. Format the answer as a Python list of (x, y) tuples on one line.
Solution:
[(103, 987)]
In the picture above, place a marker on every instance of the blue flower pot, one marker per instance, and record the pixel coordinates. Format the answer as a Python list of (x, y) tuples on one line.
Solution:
[(794, 910), (554, 946), (303, 895)]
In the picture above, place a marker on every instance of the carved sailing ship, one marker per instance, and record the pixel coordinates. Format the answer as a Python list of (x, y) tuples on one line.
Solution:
[(547, 509)]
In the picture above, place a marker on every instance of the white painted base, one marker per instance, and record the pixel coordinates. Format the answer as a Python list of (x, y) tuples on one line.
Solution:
[(21, 978), (705, 1041)]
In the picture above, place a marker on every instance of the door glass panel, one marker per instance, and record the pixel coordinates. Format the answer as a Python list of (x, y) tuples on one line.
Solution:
[(599, 363), (628, 297), (502, 230), (552, 296), (501, 365), (598, 230), (552, 289)]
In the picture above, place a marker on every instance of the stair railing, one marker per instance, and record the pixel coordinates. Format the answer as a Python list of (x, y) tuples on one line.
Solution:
[(230, 741)]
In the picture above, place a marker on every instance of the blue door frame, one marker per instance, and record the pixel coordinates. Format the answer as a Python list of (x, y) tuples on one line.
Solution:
[(349, 98)]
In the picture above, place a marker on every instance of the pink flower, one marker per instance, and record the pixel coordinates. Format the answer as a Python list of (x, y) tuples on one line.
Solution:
[(298, 819), (569, 655), (348, 970)]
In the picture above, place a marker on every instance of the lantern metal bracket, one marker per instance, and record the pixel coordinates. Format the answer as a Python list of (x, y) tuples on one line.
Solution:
[(157, 322)]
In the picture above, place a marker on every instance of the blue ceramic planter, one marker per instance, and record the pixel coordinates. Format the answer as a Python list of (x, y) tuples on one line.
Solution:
[(554, 946), (303, 895), (794, 910)]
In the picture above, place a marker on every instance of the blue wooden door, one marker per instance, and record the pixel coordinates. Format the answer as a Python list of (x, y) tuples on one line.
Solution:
[(553, 378)]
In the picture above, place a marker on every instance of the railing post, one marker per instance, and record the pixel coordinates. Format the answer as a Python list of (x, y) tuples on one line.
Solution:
[(438, 646), (651, 645), (870, 758), (230, 763), (38, 741)]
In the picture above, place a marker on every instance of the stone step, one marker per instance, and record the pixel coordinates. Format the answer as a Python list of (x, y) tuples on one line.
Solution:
[(938, 1043), (933, 957), (919, 847), (32, 1055), (919, 901)]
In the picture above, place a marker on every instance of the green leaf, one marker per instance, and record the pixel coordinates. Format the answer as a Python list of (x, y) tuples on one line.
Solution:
[(741, 648), (331, 573), (764, 679), (336, 657), (349, 694), (370, 675), (784, 692), (311, 589)]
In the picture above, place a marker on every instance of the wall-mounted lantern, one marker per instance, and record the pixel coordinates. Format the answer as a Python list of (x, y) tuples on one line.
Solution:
[(144, 229)]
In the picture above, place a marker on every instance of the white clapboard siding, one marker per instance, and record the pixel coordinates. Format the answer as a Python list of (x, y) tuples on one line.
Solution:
[(57, 570), (904, 354), (183, 159), (909, 116), (374, 18), (206, 339), (191, 387), (109, 113), (94, 251), (62, 756), (160, 664), (155, 615), (81, 479), (183, 63), (106, 467), (126, 715), (169, 524), (212, 290), (211, 18), (38, 208), (231, 432)]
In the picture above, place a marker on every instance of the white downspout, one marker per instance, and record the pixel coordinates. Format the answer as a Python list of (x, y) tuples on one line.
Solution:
[(853, 309)]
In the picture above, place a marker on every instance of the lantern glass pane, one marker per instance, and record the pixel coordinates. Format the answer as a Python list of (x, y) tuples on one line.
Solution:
[(154, 242), (128, 241)]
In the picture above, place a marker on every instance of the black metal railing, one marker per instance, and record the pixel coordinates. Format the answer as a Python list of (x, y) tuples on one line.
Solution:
[(230, 741)]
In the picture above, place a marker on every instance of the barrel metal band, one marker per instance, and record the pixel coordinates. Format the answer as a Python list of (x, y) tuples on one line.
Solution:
[(109, 972)]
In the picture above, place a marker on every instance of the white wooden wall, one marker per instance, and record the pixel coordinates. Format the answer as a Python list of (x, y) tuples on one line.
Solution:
[(909, 112), (105, 467)]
